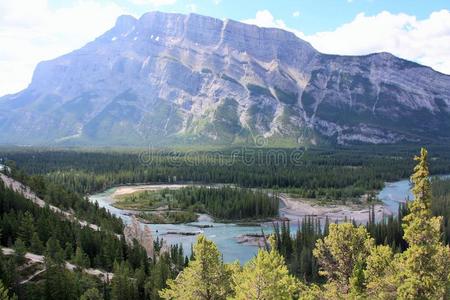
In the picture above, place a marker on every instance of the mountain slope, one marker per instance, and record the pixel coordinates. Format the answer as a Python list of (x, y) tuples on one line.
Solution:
[(167, 79)]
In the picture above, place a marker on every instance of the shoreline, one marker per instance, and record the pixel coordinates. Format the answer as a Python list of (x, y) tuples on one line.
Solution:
[(292, 209), (299, 208), (130, 189)]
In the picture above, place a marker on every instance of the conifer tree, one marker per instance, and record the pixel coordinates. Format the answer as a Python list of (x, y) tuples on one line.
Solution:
[(123, 285), (265, 277), (59, 283), (54, 251), (340, 251), (36, 246), (3, 292), (20, 251), (425, 265), (91, 294), (81, 259), (205, 278), (381, 273), (27, 228)]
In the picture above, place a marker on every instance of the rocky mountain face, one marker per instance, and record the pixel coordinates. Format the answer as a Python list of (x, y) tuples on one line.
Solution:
[(166, 79)]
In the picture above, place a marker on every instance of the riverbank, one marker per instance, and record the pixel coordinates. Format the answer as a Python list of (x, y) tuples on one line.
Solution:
[(126, 190), (299, 208), (291, 208)]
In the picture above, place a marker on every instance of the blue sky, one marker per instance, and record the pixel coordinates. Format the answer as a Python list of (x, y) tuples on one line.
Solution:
[(314, 15), (418, 30)]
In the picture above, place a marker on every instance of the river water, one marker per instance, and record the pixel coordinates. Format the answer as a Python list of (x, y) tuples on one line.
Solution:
[(224, 235), (394, 193)]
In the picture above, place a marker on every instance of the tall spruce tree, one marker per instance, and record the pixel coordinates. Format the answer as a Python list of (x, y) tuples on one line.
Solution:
[(91, 294), (345, 247), (425, 267), (265, 277), (205, 278), (123, 285)]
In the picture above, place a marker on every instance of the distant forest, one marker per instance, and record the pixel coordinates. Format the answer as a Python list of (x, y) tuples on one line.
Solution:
[(336, 173)]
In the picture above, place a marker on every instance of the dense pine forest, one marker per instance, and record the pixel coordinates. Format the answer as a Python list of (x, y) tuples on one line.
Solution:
[(441, 204), (223, 203), (28, 228), (57, 195), (314, 173), (227, 203)]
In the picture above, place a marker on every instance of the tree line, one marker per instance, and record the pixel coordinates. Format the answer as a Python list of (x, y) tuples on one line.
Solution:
[(320, 173), (225, 203)]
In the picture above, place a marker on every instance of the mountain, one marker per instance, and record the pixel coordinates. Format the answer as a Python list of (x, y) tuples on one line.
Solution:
[(167, 79)]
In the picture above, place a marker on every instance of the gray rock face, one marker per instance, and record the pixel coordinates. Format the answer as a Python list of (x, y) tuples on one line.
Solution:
[(172, 78)]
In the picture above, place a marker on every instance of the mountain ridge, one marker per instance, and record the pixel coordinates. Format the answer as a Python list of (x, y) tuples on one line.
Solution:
[(189, 79)]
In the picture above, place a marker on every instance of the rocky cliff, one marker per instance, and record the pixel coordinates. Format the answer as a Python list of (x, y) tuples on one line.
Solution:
[(166, 79)]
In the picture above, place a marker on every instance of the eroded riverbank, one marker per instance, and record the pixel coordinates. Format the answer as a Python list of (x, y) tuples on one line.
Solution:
[(298, 208)]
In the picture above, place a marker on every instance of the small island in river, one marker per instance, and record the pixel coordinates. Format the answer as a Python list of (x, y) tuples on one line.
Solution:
[(183, 204)]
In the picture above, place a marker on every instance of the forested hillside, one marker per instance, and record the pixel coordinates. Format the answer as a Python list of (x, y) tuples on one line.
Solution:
[(28, 228)]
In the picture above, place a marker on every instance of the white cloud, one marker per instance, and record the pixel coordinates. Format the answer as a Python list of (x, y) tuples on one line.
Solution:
[(30, 31), (153, 2), (192, 7), (296, 14), (424, 41), (264, 18)]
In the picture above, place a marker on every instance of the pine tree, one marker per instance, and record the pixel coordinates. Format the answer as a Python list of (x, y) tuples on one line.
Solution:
[(123, 285), (81, 259), (205, 278), (265, 277), (381, 273), (357, 280), (19, 251), (339, 252), (54, 251), (27, 228), (159, 273), (3, 292), (59, 283), (425, 267), (36, 246), (91, 294)]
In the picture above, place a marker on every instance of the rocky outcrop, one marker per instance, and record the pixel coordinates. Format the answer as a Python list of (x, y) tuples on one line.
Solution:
[(166, 79)]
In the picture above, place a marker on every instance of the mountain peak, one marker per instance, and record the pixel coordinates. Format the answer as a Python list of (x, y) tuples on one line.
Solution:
[(125, 21), (172, 78)]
